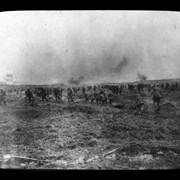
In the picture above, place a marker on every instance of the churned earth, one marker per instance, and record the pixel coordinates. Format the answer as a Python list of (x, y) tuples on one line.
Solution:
[(62, 135)]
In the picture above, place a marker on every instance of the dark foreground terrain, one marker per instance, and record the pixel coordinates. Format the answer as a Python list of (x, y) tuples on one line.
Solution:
[(90, 136)]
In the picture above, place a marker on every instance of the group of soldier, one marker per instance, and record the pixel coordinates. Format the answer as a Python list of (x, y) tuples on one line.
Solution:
[(155, 95), (99, 94)]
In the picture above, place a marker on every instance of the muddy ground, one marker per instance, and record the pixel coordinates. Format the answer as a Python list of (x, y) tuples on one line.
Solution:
[(90, 136)]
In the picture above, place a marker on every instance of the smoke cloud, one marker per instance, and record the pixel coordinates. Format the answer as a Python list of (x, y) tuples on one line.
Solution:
[(8, 77), (91, 46), (76, 81), (141, 77)]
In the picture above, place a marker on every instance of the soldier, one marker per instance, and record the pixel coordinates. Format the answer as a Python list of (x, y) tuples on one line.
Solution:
[(43, 94), (92, 97), (47, 92), (141, 87), (96, 95), (156, 95), (87, 97), (3, 96), (110, 97), (162, 85), (176, 84), (102, 97), (139, 103), (120, 89), (70, 95), (58, 93), (83, 90), (61, 92), (29, 96), (95, 87), (131, 88), (167, 86), (173, 87)]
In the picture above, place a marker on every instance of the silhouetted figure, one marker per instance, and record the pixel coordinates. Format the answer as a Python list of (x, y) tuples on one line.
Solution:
[(29, 96), (3, 97), (156, 96)]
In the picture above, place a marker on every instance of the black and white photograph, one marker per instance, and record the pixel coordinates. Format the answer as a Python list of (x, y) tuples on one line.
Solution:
[(90, 89)]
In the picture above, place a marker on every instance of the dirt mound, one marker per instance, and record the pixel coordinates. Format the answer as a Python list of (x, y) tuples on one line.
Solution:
[(28, 114), (133, 149), (168, 106), (80, 108)]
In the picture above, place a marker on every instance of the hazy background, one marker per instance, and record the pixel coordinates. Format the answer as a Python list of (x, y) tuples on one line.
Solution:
[(41, 47)]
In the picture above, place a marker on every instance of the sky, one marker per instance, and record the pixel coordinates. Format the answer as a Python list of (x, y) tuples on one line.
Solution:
[(46, 47)]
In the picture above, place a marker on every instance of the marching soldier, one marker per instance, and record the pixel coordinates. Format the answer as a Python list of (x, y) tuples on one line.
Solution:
[(70, 95), (3, 96), (140, 103), (29, 96), (83, 90), (44, 94), (156, 95), (110, 97)]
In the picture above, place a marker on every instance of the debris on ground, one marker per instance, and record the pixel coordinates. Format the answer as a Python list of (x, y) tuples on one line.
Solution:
[(62, 135)]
